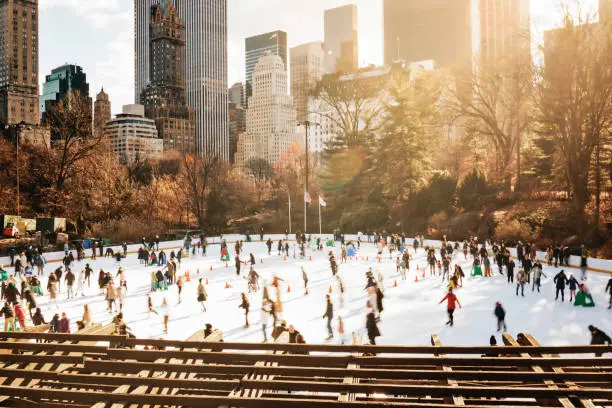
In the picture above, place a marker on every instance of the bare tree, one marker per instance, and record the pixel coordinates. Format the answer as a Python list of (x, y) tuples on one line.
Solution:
[(495, 104), (575, 100)]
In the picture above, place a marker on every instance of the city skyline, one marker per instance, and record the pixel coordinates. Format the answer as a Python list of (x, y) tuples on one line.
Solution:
[(105, 44)]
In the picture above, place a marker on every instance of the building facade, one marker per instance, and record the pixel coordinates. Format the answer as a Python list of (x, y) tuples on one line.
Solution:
[(237, 117), (206, 75), (505, 32), (341, 45), (19, 62), (270, 116), (164, 98), (306, 72), (59, 83), (132, 136), (205, 67), (142, 23), (420, 30), (256, 47), (102, 113), (235, 94)]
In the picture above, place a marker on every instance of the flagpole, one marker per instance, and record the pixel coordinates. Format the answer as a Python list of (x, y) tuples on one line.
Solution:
[(320, 216), (289, 212)]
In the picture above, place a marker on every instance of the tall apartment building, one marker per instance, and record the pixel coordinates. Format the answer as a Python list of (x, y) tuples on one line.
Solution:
[(102, 113), (205, 63), (59, 83), (256, 47), (132, 136), (341, 44), (19, 61), (505, 32), (270, 118), (419, 30), (164, 98), (237, 117), (306, 72)]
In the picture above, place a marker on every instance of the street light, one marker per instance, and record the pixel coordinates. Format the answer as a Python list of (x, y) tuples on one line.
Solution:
[(307, 124)]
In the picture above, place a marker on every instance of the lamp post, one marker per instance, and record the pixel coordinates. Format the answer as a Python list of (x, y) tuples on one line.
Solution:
[(307, 124)]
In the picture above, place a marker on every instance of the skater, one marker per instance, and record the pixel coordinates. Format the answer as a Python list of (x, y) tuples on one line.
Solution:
[(371, 326), (120, 296), (609, 290), (30, 301), (450, 307), (111, 296), (305, 279), (245, 305), (81, 283), (69, 278), (64, 324), (264, 318), (201, 294), (86, 315), (341, 330), (573, 285), (38, 318), (560, 280), (597, 337), (179, 286), (500, 313), (584, 255), (521, 280), (510, 270), (9, 316), (329, 314), (537, 276)]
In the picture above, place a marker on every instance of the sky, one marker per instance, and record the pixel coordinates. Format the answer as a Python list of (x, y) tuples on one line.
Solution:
[(99, 34)]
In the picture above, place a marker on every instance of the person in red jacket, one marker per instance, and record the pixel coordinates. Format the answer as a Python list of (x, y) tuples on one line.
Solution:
[(450, 307)]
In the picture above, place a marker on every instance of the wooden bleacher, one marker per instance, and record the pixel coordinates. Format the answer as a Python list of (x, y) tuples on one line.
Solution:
[(82, 370)]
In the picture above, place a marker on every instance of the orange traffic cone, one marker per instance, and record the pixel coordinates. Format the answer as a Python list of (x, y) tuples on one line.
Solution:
[(379, 259), (187, 277), (226, 265), (288, 288), (207, 280), (367, 258), (261, 260), (330, 289), (416, 278), (310, 259), (285, 258), (227, 285), (198, 271), (395, 284), (423, 276), (417, 267), (211, 267)]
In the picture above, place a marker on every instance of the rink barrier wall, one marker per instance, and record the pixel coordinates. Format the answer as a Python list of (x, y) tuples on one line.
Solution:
[(595, 264)]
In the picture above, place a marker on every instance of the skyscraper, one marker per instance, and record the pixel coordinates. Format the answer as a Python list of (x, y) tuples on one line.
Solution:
[(19, 61), (164, 97), (270, 122), (306, 71), (142, 22), (236, 94), (341, 50), (505, 32), (237, 117), (419, 30), (206, 52), (256, 47), (206, 66), (61, 81), (102, 113)]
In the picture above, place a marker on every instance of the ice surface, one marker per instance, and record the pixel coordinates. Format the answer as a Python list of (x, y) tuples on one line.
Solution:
[(411, 314)]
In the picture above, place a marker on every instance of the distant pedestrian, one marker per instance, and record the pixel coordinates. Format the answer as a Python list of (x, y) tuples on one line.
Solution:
[(329, 314)]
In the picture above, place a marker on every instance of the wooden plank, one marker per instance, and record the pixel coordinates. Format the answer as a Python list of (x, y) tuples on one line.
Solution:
[(456, 400), (584, 402), (389, 373), (565, 402), (330, 361), (56, 337)]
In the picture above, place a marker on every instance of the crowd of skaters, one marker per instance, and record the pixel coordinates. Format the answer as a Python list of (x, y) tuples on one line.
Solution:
[(23, 286)]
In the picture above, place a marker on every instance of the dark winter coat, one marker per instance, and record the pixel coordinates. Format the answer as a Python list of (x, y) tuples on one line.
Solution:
[(379, 298), (7, 312), (573, 283), (329, 312), (11, 293), (600, 337), (38, 319), (371, 326), (499, 312), (560, 280)]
